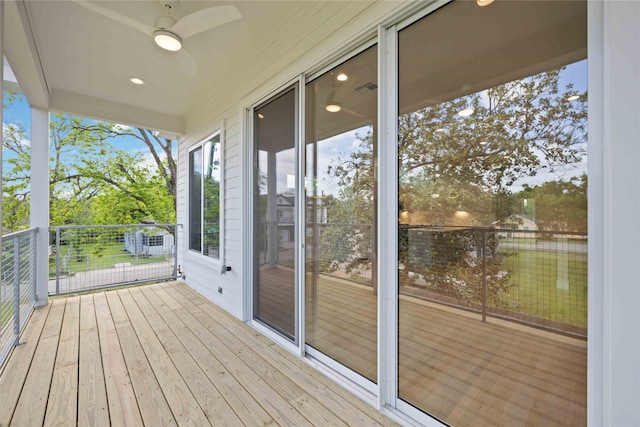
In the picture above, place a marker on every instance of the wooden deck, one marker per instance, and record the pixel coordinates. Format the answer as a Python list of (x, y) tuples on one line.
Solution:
[(162, 355)]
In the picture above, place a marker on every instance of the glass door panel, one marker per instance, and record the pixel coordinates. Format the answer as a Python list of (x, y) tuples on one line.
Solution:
[(274, 217), (493, 213), (341, 141)]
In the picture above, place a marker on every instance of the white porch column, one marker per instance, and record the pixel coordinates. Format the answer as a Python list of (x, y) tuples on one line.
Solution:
[(39, 216)]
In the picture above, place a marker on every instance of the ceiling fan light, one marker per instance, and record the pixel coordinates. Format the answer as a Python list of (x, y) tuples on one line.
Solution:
[(167, 40), (333, 108)]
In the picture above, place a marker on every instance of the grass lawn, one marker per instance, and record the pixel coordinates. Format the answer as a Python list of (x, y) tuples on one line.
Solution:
[(534, 274), (91, 257)]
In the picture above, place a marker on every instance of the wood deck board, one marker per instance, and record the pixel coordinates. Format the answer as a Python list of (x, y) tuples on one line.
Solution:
[(139, 357), (64, 384), (123, 405), (208, 397), (265, 391), (32, 403), (92, 393), (17, 366), (239, 398), (183, 405), (154, 409), (333, 411), (333, 396)]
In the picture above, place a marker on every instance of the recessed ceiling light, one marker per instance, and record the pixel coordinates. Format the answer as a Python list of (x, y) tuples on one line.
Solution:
[(484, 2), (167, 40), (573, 97), (333, 108), (260, 116), (136, 80), (466, 112), (342, 77)]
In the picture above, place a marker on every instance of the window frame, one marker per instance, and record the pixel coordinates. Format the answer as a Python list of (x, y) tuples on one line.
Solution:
[(193, 254)]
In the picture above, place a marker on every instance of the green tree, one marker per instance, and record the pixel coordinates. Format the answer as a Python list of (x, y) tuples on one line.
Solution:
[(91, 181), (562, 205), (15, 178)]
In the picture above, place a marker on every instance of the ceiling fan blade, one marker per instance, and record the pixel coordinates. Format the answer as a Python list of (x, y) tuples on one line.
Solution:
[(123, 19), (205, 19), (352, 112), (186, 62)]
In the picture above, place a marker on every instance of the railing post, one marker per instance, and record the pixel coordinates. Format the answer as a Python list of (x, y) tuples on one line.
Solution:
[(57, 261), (16, 290), (175, 251), (484, 275)]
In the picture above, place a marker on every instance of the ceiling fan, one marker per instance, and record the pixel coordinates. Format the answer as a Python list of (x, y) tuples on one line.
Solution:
[(169, 33)]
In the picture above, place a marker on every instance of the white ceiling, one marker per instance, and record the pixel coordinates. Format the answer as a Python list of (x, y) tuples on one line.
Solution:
[(86, 59), (69, 58)]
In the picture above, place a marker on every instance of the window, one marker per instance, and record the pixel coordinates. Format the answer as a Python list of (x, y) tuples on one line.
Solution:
[(204, 198)]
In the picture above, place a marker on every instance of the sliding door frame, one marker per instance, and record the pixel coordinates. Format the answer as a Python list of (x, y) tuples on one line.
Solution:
[(297, 345)]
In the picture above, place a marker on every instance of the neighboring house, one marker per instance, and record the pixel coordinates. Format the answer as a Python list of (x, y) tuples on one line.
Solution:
[(516, 222), (149, 242), (291, 89)]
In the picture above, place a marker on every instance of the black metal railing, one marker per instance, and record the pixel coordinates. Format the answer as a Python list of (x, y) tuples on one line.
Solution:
[(534, 277)]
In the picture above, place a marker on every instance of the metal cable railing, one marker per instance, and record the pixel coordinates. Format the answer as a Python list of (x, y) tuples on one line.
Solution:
[(99, 256), (538, 278), (17, 287)]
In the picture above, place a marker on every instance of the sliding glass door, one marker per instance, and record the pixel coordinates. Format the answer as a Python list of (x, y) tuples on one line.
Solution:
[(274, 223), (492, 200), (341, 149)]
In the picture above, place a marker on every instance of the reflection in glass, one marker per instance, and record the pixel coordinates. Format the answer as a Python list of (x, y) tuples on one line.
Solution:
[(211, 198), (204, 198), (341, 144), (492, 214), (195, 199), (274, 217)]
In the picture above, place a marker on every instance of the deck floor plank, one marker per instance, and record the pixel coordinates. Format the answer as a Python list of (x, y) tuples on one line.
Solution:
[(260, 363), (123, 405), (61, 408), (153, 406), (212, 402), (93, 408), (351, 411), (238, 397), (32, 404), (16, 369), (268, 392), (183, 405)]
